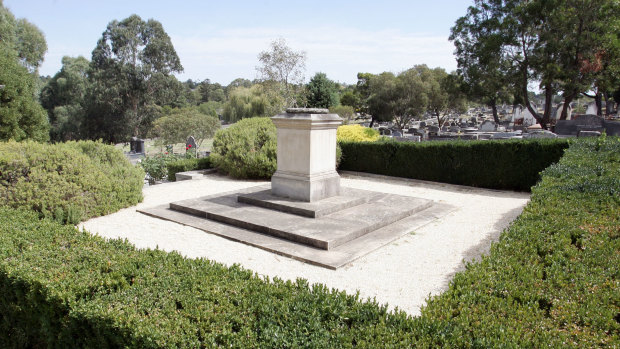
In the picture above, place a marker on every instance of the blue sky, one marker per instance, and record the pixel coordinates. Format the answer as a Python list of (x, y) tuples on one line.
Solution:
[(220, 40)]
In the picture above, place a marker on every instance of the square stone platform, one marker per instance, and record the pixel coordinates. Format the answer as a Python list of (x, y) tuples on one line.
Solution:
[(330, 233)]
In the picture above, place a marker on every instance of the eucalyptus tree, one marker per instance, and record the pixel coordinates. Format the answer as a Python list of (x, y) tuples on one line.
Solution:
[(22, 47), (283, 69), (399, 98), (479, 38), (63, 97), (130, 78)]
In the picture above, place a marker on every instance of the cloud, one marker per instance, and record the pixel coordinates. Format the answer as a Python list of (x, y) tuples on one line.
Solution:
[(339, 52)]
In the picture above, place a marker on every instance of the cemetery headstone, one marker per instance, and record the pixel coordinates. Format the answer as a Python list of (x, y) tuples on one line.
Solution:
[(191, 143)]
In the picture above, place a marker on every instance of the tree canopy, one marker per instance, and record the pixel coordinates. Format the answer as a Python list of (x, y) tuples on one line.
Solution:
[(130, 78), (22, 47), (283, 69), (322, 92)]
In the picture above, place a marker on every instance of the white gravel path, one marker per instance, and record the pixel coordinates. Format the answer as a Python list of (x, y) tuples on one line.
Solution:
[(402, 274)]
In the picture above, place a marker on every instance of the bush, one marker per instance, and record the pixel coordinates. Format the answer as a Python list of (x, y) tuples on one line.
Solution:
[(550, 281), (356, 133), (511, 164), (183, 165), (247, 149), (156, 166), (67, 181)]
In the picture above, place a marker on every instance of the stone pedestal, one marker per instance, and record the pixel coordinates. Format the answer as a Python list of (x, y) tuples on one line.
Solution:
[(306, 155)]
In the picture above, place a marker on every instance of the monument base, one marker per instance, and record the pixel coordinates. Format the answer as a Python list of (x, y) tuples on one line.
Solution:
[(305, 188)]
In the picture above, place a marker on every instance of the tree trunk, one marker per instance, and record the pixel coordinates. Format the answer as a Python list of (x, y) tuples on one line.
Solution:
[(495, 116), (372, 121), (567, 101), (528, 105), (548, 102), (598, 99)]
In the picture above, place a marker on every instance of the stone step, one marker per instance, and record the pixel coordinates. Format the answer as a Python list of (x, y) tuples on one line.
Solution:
[(195, 174), (325, 232)]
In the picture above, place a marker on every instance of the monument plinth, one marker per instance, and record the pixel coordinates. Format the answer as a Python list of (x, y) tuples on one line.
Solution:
[(306, 155)]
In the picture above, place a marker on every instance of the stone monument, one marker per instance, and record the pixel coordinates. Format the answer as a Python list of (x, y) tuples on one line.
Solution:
[(306, 155)]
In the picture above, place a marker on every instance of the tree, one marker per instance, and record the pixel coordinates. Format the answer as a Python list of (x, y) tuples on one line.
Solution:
[(284, 68), (250, 102), (350, 99), (399, 98), (182, 123), (479, 38), (322, 92), (63, 97), (131, 77), (21, 116), (22, 37)]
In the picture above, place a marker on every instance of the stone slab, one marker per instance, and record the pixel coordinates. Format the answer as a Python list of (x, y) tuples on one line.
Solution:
[(326, 232), (331, 259), (195, 174), (348, 197)]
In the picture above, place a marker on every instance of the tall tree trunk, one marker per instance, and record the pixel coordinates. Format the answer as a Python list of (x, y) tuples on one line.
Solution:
[(548, 105), (526, 98), (598, 99), (567, 101), (494, 108)]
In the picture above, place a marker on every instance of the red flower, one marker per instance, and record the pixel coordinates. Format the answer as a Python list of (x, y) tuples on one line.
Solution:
[(166, 153), (189, 146)]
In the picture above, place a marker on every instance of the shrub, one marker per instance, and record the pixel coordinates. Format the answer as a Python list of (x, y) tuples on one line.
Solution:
[(156, 166), (247, 149), (183, 165), (511, 164), (356, 133), (67, 181)]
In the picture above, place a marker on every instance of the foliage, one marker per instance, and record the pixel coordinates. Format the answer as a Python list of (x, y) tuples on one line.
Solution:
[(156, 166), (23, 39), (356, 133), (550, 281), (399, 98), (284, 68), (21, 116), (511, 165), (322, 92), (350, 99), (247, 149), (67, 181), (183, 165), (63, 97), (255, 101), (345, 112), (182, 123), (130, 78)]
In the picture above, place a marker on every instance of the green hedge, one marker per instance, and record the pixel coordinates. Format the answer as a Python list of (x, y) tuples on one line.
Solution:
[(512, 164), (69, 181), (183, 165), (247, 149), (550, 281)]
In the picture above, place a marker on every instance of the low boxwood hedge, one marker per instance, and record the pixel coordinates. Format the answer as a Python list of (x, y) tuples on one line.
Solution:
[(190, 164), (551, 281), (69, 181), (510, 165)]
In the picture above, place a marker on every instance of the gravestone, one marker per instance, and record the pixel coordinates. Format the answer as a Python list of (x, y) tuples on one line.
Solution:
[(592, 109), (581, 123), (191, 143), (306, 155), (487, 126)]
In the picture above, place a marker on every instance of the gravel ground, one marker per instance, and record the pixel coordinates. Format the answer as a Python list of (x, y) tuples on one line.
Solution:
[(403, 274)]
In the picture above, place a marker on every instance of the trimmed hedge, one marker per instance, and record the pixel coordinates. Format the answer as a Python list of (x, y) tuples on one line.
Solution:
[(183, 165), (510, 164), (356, 133), (551, 281), (69, 181)]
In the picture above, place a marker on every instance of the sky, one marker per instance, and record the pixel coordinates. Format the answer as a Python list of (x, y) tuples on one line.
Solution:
[(220, 40)]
